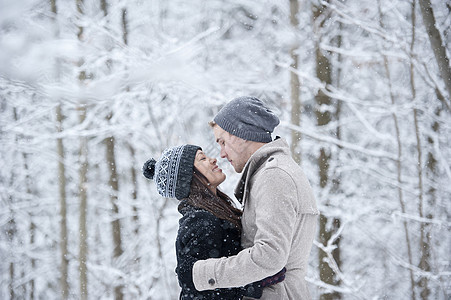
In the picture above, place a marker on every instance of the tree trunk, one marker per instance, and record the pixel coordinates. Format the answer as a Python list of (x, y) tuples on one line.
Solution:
[(83, 171), (32, 227), (430, 196), (436, 43), (399, 166), (124, 26), (134, 194), (113, 183), (336, 180), (400, 193), (11, 232), (130, 147), (62, 187), (63, 208), (327, 227), (294, 85), (425, 246), (160, 252), (116, 226), (33, 261), (83, 251)]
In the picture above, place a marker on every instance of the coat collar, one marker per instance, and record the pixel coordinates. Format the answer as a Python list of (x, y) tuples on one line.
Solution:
[(254, 163)]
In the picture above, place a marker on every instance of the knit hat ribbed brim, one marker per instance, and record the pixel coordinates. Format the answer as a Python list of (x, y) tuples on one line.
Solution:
[(247, 118)]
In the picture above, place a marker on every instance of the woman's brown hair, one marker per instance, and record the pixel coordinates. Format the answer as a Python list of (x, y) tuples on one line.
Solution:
[(219, 205)]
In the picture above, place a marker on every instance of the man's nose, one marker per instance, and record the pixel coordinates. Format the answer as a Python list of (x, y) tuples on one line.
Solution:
[(223, 154)]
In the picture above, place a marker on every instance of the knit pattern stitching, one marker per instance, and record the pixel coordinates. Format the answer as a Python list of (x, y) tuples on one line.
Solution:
[(167, 170)]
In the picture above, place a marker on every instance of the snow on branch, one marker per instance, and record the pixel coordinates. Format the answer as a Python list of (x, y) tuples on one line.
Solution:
[(421, 220), (340, 143)]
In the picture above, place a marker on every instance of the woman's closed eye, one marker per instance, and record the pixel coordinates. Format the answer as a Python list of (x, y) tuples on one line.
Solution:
[(200, 156)]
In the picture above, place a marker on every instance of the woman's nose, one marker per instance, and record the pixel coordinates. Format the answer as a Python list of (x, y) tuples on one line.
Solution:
[(213, 161)]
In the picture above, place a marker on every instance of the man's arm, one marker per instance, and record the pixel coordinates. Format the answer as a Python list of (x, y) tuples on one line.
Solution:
[(199, 239), (275, 204)]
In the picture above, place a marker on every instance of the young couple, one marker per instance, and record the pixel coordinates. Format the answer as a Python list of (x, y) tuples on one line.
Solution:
[(225, 253)]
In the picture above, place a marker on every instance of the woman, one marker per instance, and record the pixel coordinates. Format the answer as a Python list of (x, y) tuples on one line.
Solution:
[(210, 225)]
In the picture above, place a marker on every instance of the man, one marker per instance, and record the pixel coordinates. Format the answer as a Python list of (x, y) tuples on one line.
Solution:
[(279, 209)]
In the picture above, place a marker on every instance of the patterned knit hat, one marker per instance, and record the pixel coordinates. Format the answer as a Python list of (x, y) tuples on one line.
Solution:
[(173, 172), (247, 118)]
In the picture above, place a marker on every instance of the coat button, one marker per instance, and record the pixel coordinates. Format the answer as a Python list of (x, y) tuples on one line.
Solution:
[(211, 281)]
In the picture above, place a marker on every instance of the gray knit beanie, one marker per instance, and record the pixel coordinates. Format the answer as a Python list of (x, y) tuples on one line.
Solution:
[(247, 118), (173, 172)]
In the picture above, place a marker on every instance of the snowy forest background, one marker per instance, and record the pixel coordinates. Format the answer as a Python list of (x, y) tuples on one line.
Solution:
[(90, 89)]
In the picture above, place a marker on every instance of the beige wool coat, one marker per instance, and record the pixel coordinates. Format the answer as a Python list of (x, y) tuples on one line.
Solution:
[(279, 224)]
